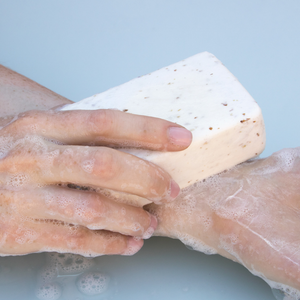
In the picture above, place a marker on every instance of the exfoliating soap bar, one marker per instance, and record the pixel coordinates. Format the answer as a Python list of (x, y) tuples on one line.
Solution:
[(200, 94)]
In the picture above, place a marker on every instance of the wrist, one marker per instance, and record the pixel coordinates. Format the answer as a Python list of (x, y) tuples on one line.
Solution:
[(19, 94)]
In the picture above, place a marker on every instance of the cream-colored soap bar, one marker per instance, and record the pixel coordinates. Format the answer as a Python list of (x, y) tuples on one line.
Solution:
[(200, 94)]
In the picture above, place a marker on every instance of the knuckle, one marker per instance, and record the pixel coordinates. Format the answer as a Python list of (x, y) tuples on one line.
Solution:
[(28, 121), (102, 121), (77, 238), (148, 129), (12, 163), (95, 213), (105, 164), (115, 243), (100, 206), (153, 133), (159, 184), (22, 157)]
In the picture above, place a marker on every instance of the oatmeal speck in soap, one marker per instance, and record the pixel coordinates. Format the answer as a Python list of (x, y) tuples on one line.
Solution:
[(200, 94)]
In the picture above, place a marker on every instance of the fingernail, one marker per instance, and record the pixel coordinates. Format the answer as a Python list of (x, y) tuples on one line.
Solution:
[(133, 246), (180, 136), (149, 232)]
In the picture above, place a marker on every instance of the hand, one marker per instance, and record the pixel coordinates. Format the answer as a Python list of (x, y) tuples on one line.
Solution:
[(43, 153), (250, 214)]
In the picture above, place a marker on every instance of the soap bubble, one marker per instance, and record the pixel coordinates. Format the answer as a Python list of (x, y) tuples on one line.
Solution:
[(51, 291), (69, 264), (47, 274), (88, 165), (281, 295), (93, 283)]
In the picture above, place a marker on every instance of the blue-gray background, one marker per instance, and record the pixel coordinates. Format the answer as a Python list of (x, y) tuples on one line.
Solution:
[(79, 48)]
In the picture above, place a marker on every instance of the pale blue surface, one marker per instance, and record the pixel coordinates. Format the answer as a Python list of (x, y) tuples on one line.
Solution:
[(78, 48)]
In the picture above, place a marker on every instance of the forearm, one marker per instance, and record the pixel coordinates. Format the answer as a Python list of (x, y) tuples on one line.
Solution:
[(19, 93), (249, 214)]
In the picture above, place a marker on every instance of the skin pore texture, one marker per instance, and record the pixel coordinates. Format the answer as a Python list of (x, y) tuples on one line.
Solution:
[(249, 214)]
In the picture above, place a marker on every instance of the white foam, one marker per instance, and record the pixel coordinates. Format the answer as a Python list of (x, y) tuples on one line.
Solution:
[(26, 235), (289, 292), (88, 165), (287, 158), (136, 227), (253, 210), (18, 180), (195, 244), (47, 274), (148, 233), (68, 264), (51, 291), (93, 283), (6, 143)]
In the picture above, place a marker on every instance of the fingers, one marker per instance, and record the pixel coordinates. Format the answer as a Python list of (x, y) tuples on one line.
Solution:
[(115, 170), (91, 166), (100, 167), (84, 208), (29, 236), (105, 127)]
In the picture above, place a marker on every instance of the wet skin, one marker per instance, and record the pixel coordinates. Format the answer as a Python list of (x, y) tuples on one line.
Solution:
[(250, 214), (44, 152)]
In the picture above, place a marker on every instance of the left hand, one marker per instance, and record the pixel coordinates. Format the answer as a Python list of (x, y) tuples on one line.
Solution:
[(41, 152)]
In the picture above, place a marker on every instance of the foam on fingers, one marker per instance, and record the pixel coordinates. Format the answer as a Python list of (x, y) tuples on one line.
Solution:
[(92, 210), (25, 235)]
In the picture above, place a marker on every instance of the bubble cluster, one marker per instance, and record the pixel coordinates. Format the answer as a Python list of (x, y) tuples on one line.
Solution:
[(148, 233), (227, 242), (26, 236), (48, 160), (286, 292), (47, 274), (67, 263), (88, 165), (18, 180), (61, 201), (284, 160), (51, 291), (287, 157), (136, 227), (205, 219), (93, 283), (6, 143), (195, 244), (187, 204), (71, 275), (68, 152)]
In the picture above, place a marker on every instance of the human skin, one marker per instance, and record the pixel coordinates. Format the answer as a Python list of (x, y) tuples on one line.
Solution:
[(43, 151), (250, 214)]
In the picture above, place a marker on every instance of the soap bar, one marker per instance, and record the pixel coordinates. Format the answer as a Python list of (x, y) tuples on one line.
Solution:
[(200, 94)]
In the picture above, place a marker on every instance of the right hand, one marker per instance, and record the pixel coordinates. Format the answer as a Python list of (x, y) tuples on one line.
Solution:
[(42, 152), (250, 214)]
